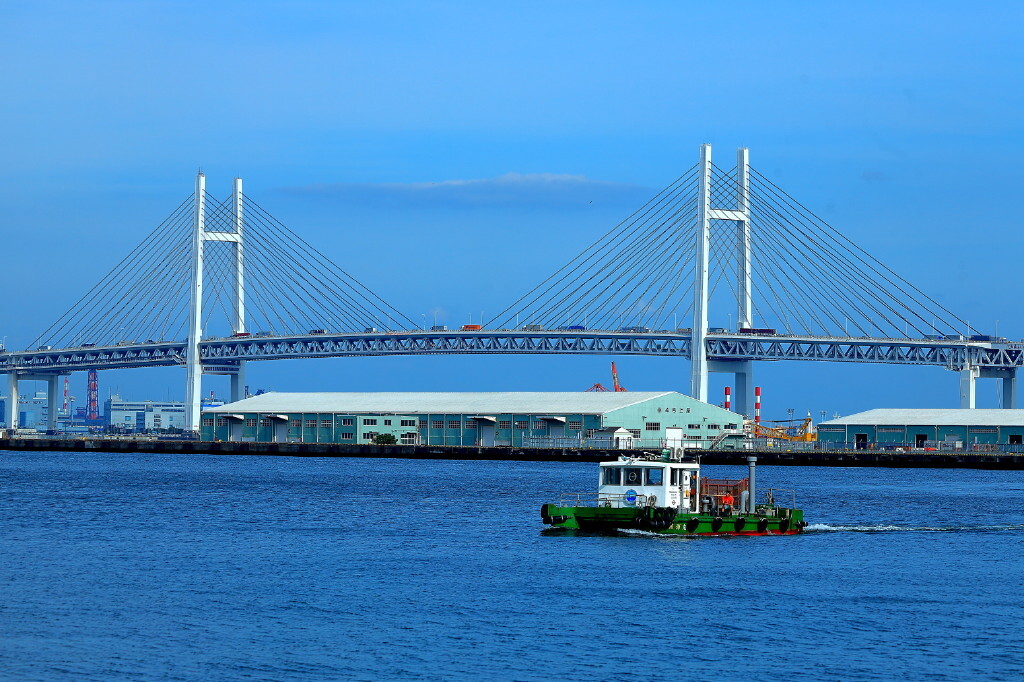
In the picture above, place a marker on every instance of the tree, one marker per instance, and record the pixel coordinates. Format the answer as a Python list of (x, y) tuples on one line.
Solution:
[(384, 439)]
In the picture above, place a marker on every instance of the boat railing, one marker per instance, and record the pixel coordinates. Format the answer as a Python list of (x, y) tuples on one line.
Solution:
[(605, 500), (774, 497)]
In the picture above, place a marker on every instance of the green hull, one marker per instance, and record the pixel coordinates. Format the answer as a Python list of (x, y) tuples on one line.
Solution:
[(767, 520)]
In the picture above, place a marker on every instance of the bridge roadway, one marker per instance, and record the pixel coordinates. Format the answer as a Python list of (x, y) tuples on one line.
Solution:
[(219, 355)]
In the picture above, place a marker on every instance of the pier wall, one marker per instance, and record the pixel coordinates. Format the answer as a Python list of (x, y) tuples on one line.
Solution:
[(842, 458)]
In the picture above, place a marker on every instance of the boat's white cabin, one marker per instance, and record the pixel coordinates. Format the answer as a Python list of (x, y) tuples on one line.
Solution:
[(630, 482)]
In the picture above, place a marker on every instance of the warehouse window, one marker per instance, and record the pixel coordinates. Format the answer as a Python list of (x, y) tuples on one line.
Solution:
[(454, 424), (223, 421), (250, 422), (295, 423), (693, 427), (369, 422), (731, 426), (437, 424), (369, 435), (409, 438), (540, 424), (714, 427), (574, 425), (266, 421), (346, 435), (408, 422), (348, 421), (635, 432), (470, 423), (653, 426), (590, 433), (504, 424), (310, 423), (326, 423), (522, 425), (208, 421)]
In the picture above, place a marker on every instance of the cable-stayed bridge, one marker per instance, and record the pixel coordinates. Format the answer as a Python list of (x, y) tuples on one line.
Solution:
[(220, 283)]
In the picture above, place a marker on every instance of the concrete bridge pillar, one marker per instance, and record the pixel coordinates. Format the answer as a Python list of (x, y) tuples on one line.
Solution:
[(1010, 390), (743, 373), (52, 398), (968, 380), (238, 383), (1008, 378), (12, 400)]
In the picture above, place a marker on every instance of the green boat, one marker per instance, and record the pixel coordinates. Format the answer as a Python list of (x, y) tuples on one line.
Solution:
[(666, 494)]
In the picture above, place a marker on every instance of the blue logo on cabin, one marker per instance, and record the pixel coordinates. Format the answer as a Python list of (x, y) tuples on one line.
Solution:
[(630, 497)]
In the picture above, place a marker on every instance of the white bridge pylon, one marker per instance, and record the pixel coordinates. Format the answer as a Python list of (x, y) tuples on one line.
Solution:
[(194, 380), (739, 214)]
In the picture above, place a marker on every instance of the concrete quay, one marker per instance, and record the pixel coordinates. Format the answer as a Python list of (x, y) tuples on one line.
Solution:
[(771, 456)]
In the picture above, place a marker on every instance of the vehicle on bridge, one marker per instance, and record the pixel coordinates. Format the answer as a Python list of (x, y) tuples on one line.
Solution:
[(666, 495), (760, 332)]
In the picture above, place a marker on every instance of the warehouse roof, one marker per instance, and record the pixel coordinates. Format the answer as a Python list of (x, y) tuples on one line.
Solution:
[(444, 403), (921, 417)]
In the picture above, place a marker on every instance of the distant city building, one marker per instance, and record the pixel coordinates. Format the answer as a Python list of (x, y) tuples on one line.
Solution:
[(514, 419), (32, 410), (147, 415)]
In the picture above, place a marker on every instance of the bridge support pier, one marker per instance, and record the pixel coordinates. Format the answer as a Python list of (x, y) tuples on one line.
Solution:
[(743, 373), (238, 383), (13, 417), (12, 400), (52, 404), (1006, 375), (968, 393), (1010, 390)]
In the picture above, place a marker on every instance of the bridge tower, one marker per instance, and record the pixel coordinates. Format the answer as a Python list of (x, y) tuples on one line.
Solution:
[(740, 215), (194, 366)]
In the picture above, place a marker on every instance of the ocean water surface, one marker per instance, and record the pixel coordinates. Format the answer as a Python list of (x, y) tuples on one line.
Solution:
[(188, 567)]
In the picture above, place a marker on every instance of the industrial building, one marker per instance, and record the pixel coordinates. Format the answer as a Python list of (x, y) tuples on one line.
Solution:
[(956, 428), (33, 411), (622, 419), (147, 415)]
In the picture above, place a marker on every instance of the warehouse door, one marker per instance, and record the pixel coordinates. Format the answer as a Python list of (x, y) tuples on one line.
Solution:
[(860, 441), (920, 439), (486, 431)]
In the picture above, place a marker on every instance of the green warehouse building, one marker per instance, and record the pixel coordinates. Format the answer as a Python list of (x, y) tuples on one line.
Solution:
[(633, 419), (956, 428)]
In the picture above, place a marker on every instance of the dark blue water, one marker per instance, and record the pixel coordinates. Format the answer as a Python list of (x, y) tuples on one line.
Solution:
[(153, 567)]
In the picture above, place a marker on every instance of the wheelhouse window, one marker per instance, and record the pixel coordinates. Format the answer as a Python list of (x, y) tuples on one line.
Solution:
[(655, 476), (611, 476), (632, 476)]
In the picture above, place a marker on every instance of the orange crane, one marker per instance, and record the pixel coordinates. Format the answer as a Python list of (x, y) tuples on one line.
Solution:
[(616, 386), (788, 429)]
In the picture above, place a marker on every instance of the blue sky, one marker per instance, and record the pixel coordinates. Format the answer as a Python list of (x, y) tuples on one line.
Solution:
[(450, 155)]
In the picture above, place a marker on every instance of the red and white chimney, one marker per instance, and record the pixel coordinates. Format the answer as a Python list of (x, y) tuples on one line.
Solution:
[(757, 404), (728, 398)]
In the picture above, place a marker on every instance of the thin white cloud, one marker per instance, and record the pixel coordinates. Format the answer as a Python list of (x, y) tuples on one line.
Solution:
[(510, 189)]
